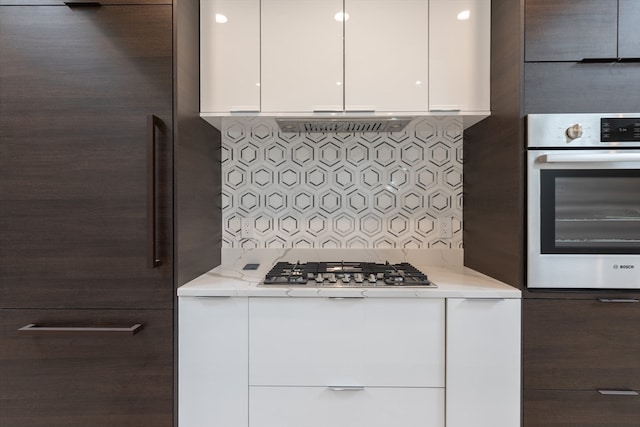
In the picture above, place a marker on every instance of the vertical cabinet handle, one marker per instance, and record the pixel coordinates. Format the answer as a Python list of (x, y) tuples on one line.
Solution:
[(152, 236)]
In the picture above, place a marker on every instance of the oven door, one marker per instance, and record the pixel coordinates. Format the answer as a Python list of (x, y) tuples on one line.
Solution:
[(583, 219)]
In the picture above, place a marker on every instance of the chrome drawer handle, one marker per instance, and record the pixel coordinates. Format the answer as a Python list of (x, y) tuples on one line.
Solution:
[(618, 300), (346, 388)]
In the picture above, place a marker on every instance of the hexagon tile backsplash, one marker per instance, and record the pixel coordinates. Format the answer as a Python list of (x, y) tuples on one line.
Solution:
[(342, 190)]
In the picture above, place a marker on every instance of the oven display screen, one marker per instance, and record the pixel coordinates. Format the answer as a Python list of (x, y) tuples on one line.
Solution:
[(619, 130)]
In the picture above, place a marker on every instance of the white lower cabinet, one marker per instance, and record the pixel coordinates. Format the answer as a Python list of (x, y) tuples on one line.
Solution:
[(212, 362), (397, 342), (483, 362), (348, 362), (366, 407)]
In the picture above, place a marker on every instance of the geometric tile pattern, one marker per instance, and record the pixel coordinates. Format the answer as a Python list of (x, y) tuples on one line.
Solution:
[(342, 190)]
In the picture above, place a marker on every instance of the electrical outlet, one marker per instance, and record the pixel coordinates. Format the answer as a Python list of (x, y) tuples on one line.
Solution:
[(445, 228), (247, 231)]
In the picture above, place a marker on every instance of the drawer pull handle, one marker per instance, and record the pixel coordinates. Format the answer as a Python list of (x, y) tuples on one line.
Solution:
[(82, 3), (485, 299), (33, 329), (618, 392), (346, 387), (618, 300)]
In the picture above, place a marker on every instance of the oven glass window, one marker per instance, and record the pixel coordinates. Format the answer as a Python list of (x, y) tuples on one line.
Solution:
[(590, 211)]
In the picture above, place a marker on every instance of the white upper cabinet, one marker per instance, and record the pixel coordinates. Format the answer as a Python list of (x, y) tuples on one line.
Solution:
[(298, 57), (386, 45), (230, 55), (459, 55), (302, 60)]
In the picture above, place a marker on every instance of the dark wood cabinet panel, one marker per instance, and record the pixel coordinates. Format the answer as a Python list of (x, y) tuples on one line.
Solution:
[(628, 34), (62, 2), (570, 30), (97, 380), (581, 345), (566, 87), (552, 408), (77, 86)]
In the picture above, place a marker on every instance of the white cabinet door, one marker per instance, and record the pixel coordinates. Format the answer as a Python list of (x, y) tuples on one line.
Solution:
[(483, 363), (459, 55), (386, 53), (346, 342), (229, 55), (302, 62), (212, 362), (368, 407)]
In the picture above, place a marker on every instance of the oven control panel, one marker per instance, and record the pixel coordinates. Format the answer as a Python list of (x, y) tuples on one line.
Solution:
[(583, 130), (619, 130)]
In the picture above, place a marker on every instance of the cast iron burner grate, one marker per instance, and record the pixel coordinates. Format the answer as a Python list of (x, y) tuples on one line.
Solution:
[(346, 274)]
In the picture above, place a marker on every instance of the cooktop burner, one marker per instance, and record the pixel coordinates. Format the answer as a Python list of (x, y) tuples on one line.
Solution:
[(346, 274)]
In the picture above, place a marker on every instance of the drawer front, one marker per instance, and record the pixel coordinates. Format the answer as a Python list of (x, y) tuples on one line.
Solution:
[(98, 378), (557, 408), (322, 342), (322, 407), (581, 345)]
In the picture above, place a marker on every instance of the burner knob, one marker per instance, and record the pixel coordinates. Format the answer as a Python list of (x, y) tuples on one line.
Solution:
[(319, 278), (346, 278), (332, 278), (358, 277), (372, 278)]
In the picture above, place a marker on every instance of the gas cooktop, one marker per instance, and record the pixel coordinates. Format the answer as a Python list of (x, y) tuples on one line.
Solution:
[(346, 274)]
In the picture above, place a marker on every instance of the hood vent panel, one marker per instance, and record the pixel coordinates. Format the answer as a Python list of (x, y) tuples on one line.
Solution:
[(343, 125)]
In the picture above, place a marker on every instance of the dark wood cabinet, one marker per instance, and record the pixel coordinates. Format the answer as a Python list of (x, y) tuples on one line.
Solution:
[(628, 34), (574, 87), (105, 167), (581, 362), (576, 30), (97, 378), (570, 30), (560, 408), (78, 86), (581, 344)]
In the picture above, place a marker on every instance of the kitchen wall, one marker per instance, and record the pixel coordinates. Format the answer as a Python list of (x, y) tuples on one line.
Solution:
[(342, 190)]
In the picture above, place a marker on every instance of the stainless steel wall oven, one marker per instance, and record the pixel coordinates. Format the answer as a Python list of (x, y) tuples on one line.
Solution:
[(583, 195)]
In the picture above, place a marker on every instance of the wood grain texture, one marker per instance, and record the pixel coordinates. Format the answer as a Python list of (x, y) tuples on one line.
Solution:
[(80, 381), (76, 87), (628, 34), (581, 345), (198, 209), (581, 88), (61, 2), (559, 408), (493, 160), (570, 30)]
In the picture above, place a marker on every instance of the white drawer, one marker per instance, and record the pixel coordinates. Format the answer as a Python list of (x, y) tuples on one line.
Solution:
[(368, 342), (368, 407)]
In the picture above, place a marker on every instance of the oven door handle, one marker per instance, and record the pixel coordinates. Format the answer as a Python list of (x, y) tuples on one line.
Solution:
[(588, 157)]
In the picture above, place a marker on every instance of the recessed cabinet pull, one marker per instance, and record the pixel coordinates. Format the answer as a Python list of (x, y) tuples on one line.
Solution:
[(618, 300), (34, 329), (618, 392), (346, 387), (485, 299)]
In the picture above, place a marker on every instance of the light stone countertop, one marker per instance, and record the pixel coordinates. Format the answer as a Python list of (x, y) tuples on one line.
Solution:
[(442, 266)]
